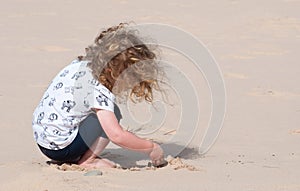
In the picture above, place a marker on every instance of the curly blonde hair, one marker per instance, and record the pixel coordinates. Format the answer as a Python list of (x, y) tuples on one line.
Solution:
[(121, 62)]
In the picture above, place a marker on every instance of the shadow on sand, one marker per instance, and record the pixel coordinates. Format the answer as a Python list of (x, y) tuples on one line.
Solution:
[(128, 159)]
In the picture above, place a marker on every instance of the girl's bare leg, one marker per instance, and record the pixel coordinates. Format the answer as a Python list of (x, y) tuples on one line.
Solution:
[(91, 158)]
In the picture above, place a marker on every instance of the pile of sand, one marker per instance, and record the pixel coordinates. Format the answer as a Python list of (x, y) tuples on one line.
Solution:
[(173, 163)]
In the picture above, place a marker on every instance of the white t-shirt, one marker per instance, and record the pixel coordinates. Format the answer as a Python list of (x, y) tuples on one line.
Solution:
[(68, 100)]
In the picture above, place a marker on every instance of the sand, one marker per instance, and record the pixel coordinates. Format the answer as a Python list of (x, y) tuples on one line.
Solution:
[(256, 44)]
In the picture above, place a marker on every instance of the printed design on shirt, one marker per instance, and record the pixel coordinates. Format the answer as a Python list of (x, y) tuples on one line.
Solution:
[(52, 101), (104, 89), (36, 136), (52, 117), (71, 89), (86, 102), (43, 135), (56, 132), (65, 72), (94, 82), (102, 99), (58, 86), (108, 93), (74, 61), (78, 75), (53, 146), (43, 99), (54, 122), (69, 121), (69, 104), (40, 117), (72, 130)]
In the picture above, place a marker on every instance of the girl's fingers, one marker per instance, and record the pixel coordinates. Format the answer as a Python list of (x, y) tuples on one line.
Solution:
[(160, 163)]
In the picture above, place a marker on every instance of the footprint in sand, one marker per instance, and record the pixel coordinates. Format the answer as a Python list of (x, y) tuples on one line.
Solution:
[(257, 53), (31, 14), (240, 57), (261, 92), (276, 27), (236, 76), (53, 48), (46, 48), (297, 131)]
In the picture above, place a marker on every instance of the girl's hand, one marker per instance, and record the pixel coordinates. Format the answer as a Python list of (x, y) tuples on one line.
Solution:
[(157, 156)]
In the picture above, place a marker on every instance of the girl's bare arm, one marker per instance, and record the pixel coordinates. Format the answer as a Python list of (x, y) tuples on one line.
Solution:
[(122, 137)]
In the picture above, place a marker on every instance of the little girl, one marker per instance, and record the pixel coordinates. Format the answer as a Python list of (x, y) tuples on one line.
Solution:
[(77, 116)]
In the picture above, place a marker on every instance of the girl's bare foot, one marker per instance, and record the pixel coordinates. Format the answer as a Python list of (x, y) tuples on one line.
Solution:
[(97, 163), (111, 163)]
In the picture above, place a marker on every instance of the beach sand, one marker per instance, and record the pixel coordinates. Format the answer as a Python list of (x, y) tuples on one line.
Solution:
[(255, 44)]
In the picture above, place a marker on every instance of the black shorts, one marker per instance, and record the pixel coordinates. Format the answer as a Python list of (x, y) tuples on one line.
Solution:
[(89, 130)]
